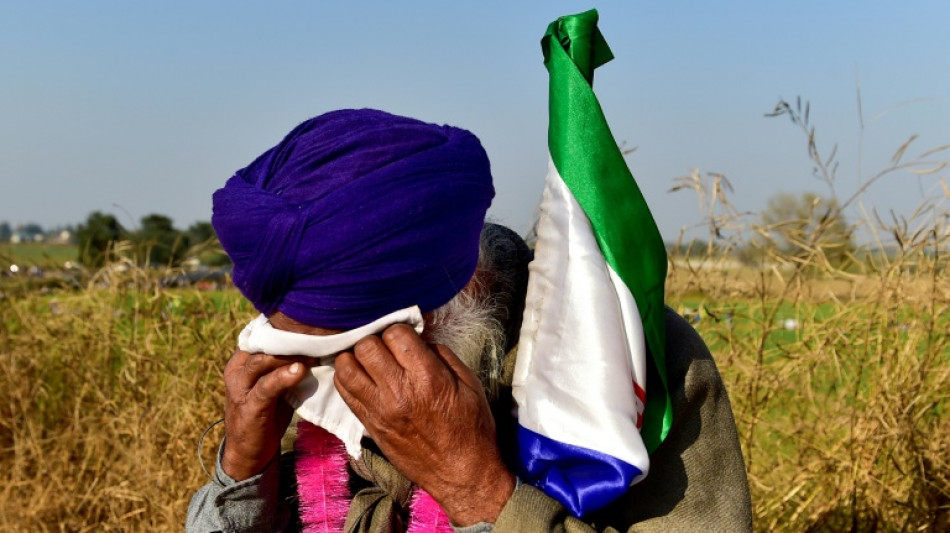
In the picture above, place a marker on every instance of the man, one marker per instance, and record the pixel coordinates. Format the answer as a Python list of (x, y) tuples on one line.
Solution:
[(357, 215)]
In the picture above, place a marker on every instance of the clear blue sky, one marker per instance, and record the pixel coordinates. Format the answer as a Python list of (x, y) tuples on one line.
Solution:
[(152, 106)]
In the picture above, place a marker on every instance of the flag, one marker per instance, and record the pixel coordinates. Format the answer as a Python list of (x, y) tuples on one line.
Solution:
[(590, 380)]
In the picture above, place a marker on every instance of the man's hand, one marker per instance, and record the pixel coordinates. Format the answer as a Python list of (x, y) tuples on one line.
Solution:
[(428, 414), (255, 415)]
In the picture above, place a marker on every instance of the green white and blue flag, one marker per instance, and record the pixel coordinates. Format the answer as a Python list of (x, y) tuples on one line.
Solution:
[(590, 381)]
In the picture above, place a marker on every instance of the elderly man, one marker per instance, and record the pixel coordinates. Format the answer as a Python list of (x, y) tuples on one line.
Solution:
[(361, 239)]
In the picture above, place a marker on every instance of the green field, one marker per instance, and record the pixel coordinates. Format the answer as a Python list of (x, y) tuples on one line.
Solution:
[(41, 255)]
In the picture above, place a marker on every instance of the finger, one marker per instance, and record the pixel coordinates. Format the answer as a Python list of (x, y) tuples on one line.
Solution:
[(350, 375), (259, 364), (273, 385), (457, 367), (347, 382), (378, 362), (236, 363), (411, 352), (236, 383)]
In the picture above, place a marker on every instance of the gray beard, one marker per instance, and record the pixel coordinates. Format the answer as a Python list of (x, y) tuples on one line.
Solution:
[(473, 323), (468, 326)]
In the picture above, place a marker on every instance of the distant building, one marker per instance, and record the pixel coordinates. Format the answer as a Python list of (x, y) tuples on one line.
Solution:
[(61, 237)]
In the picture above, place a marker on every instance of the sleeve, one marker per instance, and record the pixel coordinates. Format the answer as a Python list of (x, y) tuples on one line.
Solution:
[(697, 476), (228, 506), (530, 509)]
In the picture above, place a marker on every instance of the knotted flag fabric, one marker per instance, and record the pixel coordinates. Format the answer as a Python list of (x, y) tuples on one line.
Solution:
[(589, 381)]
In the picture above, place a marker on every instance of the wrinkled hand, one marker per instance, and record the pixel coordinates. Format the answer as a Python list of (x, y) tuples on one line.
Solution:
[(256, 415), (428, 414)]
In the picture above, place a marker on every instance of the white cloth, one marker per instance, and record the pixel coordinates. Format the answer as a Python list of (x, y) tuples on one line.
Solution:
[(316, 399)]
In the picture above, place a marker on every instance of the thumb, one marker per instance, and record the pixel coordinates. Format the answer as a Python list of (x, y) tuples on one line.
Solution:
[(274, 384)]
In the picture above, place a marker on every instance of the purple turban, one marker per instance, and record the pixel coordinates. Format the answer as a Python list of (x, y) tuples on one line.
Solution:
[(355, 214)]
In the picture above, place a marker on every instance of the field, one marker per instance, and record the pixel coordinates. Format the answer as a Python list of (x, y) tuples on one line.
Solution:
[(840, 388)]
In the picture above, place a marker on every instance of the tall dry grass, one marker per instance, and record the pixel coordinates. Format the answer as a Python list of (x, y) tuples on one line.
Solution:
[(103, 392), (839, 373)]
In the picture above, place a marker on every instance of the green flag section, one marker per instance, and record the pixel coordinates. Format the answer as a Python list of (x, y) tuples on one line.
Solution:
[(587, 158)]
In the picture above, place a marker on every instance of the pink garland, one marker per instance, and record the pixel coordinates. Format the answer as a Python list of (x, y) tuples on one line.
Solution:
[(323, 487), (322, 479), (426, 515)]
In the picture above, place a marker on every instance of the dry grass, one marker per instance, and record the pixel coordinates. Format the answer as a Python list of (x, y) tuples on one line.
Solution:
[(841, 392), (103, 393)]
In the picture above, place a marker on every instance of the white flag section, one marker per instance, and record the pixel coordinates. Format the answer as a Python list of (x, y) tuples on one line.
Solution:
[(580, 375)]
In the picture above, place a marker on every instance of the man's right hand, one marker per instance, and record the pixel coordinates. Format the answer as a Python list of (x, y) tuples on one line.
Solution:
[(256, 415)]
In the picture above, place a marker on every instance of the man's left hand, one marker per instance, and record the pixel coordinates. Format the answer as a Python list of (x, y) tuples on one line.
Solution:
[(428, 414)]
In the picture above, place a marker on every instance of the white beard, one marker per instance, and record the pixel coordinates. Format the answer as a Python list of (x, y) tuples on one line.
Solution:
[(467, 326)]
